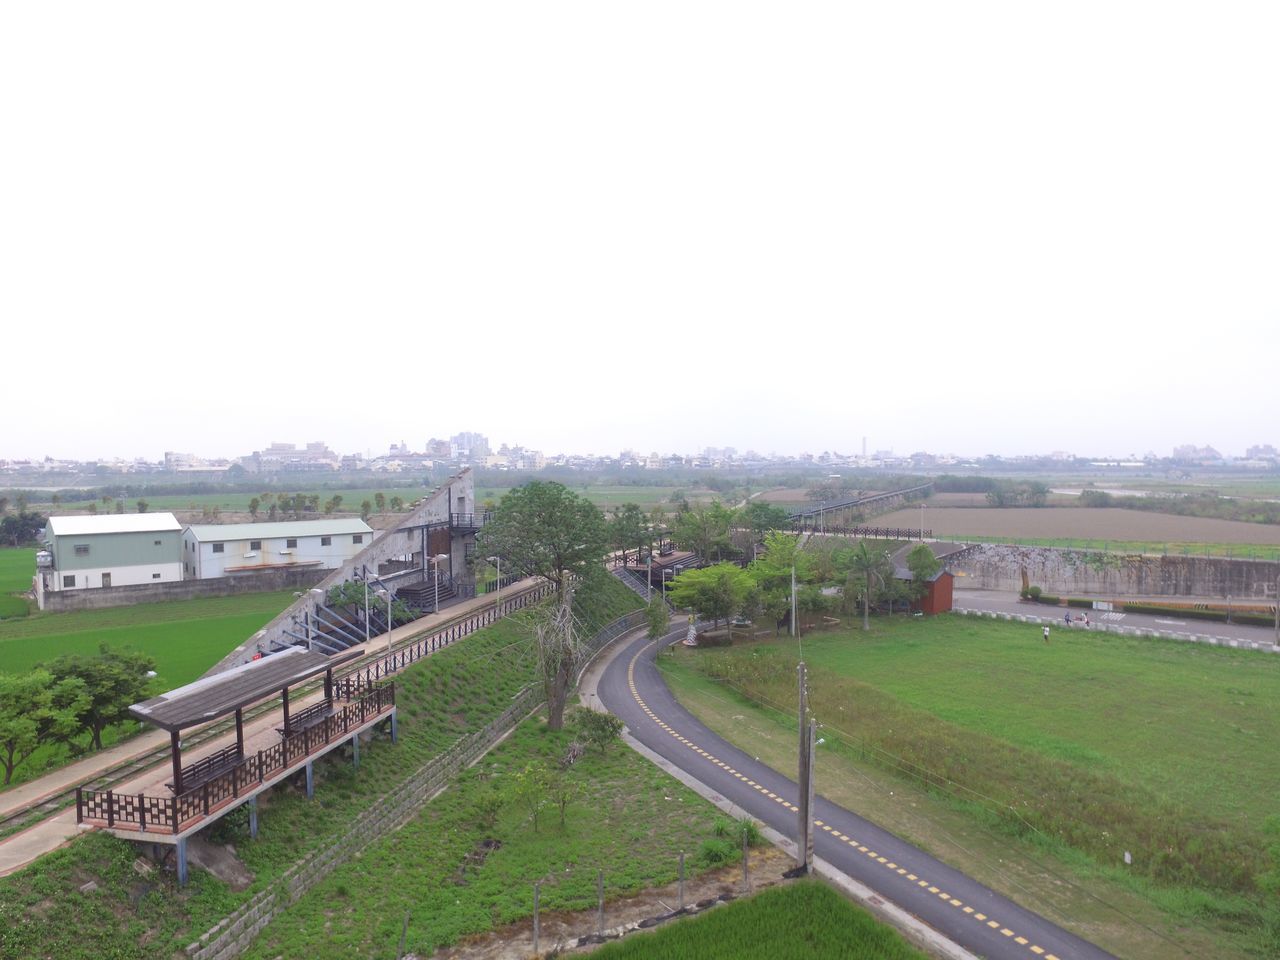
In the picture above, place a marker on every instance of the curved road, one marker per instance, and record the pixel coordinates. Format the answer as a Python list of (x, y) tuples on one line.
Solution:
[(974, 916)]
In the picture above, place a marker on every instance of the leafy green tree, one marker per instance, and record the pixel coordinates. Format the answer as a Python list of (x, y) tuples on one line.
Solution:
[(380, 501), (543, 529), (629, 528), (923, 566), (761, 518), (715, 593), (142, 506), (704, 529), (397, 504), (254, 505), (21, 527), (113, 680), (597, 729), (871, 565), (366, 508), (658, 617), (36, 709), (4, 505)]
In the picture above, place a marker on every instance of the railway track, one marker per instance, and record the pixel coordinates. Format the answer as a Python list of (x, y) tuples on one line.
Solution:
[(19, 819)]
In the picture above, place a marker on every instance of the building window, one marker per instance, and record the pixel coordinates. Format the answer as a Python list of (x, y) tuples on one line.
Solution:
[(82, 549), (159, 543), (155, 576), (357, 538), (69, 580), (217, 547), (325, 541), (292, 543), (255, 544)]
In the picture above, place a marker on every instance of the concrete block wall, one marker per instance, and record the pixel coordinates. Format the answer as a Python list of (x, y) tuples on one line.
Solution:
[(102, 597), (1074, 572)]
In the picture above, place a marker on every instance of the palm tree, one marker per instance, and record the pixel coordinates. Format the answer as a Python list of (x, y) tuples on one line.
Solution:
[(869, 563)]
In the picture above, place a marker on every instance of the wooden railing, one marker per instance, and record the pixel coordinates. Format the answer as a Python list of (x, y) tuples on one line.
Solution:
[(173, 813), (206, 768), (352, 684)]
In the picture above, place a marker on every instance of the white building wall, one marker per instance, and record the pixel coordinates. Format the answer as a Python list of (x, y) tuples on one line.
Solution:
[(274, 552), (120, 576)]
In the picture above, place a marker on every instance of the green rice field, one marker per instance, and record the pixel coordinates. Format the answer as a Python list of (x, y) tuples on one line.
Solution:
[(806, 920)]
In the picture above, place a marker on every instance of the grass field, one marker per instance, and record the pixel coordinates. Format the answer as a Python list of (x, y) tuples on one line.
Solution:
[(185, 637), (1072, 753), (806, 920), (16, 569)]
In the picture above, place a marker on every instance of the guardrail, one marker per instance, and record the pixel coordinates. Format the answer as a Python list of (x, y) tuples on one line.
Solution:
[(351, 684), (873, 533)]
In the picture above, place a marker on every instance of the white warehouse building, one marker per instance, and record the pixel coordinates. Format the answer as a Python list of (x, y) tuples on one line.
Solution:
[(114, 550), (223, 550)]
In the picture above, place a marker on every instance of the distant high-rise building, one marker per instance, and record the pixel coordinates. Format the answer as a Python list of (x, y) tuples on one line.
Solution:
[(468, 445)]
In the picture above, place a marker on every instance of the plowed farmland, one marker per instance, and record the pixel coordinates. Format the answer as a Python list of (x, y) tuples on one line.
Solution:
[(1087, 523)]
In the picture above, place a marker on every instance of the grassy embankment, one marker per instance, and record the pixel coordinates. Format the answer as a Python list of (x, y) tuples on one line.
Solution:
[(185, 637), (630, 821), (806, 920), (1028, 765)]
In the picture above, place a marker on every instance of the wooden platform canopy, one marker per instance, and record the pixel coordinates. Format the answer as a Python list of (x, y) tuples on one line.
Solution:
[(222, 694)]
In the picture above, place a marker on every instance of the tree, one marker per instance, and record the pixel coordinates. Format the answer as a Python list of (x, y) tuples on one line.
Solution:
[(714, 593), (113, 680), (628, 528), (704, 529), (596, 728), (22, 527), (142, 506), (659, 617), (761, 518), (397, 504), (4, 505), (380, 501), (562, 790), (366, 508), (543, 529), (529, 790), (869, 564), (254, 505), (35, 710), (923, 566)]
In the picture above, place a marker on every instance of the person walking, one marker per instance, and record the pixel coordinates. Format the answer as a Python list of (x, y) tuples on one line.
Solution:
[(1046, 633)]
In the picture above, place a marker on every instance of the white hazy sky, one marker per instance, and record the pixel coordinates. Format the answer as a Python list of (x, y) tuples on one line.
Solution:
[(961, 227)]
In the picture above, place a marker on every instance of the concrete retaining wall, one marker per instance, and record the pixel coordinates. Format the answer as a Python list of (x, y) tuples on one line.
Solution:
[(98, 598), (1075, 572)]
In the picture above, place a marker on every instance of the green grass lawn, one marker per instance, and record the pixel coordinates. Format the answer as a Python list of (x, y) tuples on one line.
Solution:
[(806, 920), (185, 637), (17, 567), (1084, 748)]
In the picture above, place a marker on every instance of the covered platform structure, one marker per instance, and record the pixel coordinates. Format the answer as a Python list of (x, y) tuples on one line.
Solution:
[(239, 769)]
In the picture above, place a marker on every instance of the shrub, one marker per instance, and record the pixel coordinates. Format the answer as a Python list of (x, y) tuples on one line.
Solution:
[(1033, 593), (717, 851), (597, 729)]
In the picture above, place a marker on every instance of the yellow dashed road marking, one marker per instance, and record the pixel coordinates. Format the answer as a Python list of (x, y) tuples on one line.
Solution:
[(1039, 951)]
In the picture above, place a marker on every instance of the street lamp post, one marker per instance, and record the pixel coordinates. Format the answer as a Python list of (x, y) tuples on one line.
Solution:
[(649, 575), (922, 521)]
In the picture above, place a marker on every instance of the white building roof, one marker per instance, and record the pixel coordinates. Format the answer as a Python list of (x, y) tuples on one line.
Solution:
[(207, 532), (80, 526)]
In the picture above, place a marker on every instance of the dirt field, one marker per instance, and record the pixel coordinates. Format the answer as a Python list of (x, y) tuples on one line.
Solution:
[(1087, 523)]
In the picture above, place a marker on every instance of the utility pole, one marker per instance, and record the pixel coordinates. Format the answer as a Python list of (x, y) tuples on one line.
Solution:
[(804, 816)]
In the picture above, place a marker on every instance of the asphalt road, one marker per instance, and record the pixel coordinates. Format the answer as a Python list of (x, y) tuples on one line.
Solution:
[(995, 601), (974, 916)]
